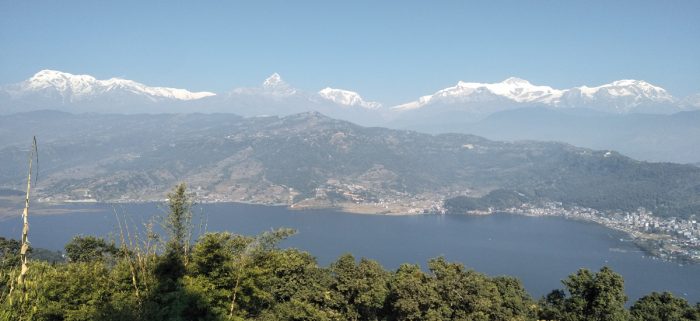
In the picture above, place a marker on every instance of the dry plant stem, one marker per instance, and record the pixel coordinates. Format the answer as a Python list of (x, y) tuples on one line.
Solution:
[(235, 291), (188, 234), (141, 256), (11, 282), (25, 219), (244, 264), (151, 244), (132, 269)]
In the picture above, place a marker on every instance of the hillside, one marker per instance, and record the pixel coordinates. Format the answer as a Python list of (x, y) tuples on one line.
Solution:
[(312, 160)]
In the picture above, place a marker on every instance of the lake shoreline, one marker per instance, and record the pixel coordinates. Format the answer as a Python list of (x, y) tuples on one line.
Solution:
[(653, 244), (541, 251)]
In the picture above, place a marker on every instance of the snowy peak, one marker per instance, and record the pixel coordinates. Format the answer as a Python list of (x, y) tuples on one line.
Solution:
[(516, 81), (622, 96), (73, 88), (347, 98), (275, 80), (273, 86), (631, 82), (65, 84), (276, 85), (57, 79), (628, 87), (513, 89), (523, 91)]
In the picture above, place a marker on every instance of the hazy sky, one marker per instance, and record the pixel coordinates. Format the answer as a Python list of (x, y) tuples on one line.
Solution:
[(390, 51)]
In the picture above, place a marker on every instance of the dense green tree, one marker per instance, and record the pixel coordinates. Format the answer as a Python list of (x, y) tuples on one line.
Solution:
[(468, 295), (297, 276), (516, 303), (245, 276), (463, 294), (552, 306), (662, 307), (9, 252), (373, 289), (361, 288), (296, 310), (178, 220), (89, 248), (300, 289), (592, 296), (171, 298), (80, 291), (213, 254), (413, 295)]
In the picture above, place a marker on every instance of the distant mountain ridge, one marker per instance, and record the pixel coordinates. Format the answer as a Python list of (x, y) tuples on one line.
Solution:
[(513, 109), (650, 137)]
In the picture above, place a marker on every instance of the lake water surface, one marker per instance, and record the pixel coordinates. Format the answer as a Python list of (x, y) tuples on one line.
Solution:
[(539, 250)]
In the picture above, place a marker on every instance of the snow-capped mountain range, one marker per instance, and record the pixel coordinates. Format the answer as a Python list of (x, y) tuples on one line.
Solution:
[(621, 96), (50, 89), (74, 88)]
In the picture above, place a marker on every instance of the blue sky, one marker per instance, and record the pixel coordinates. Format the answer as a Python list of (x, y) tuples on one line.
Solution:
[(390, 51)]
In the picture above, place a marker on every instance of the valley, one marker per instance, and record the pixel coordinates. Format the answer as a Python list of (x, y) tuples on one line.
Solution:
[(310, 161)]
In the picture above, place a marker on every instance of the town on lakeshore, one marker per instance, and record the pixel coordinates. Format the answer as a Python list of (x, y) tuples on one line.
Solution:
[(668, 238)]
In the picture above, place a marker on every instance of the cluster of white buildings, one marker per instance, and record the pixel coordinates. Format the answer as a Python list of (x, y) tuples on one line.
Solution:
[(677, 237)]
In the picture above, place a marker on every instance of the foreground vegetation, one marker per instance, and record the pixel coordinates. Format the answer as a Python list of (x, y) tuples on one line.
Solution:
[(223, 276)]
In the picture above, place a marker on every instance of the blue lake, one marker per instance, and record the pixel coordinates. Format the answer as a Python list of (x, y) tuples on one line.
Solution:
[(540, 251)]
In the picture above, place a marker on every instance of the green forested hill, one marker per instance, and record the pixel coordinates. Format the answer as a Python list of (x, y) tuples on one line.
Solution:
[(289, 159)]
